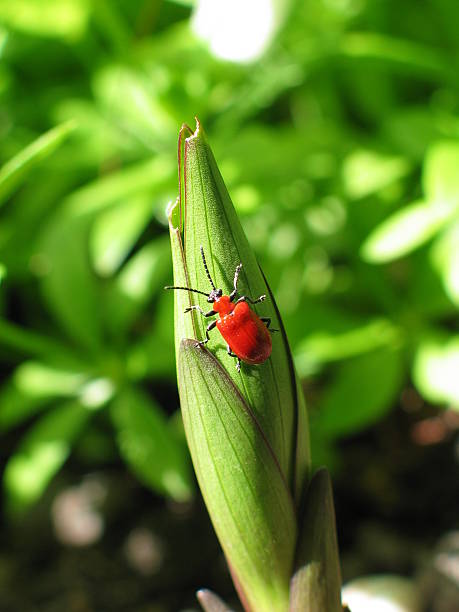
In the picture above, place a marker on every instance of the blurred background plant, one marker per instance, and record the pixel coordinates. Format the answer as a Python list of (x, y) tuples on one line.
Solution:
[(336, 127)]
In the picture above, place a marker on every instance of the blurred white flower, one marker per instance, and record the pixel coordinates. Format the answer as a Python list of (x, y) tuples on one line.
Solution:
[(238, 30)]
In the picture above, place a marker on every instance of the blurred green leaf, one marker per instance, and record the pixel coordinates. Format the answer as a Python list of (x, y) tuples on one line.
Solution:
[(42, 380), (31, 343), (42, 453), (440, 177), (152, 176), (343, 340), (115, 232), (149, 445), (70, 287), (152, 354), (17, 405), (403, 232), (435, 370), (416, 223), (142, 276), (414, 57), (445, 258), (16, 169), (366, 172), (55, 18), (363, 390), (139, 110)]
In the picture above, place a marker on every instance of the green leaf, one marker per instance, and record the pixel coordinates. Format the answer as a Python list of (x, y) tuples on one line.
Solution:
[(414, 57), (440, 176), (144, 360), (435, 370), (38, 379), (145, 272), (16, 405), (404, 231), (348, 339), (29, 342), (153, 176), (245, 492), (364, 389), (42, 453), (149, 445), (70, 287), (316, 582), (65, 19), (366, 172), (416, 223), (15, 171), (444, 255), (143, 275), (115, 232)]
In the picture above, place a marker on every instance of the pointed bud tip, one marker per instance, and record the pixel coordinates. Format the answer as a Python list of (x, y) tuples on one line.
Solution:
[(185, 131)]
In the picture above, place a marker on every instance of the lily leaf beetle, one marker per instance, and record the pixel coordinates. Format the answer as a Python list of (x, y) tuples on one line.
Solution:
[(246, 334)]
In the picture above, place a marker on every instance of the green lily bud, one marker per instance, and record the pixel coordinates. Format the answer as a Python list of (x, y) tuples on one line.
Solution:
[(247, 429)]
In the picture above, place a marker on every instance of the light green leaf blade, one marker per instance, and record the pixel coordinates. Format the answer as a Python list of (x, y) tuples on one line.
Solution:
[(143, 275), (366, 172), (349, 339), (435, 370), (115, 232), (42, 453), (38, 379), (444, 255), (150, 446), (16, 406), (403, 231), (244, 490), (65, 19), (363, 390), (440, 176), (26, 341), (153, 176), (70, 286), (15, 171)]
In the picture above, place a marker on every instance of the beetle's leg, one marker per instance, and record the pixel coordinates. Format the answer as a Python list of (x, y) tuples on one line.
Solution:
[(244, 298), (236, 278), (199, 309), (231, 354), (209, 328), (267, 320)]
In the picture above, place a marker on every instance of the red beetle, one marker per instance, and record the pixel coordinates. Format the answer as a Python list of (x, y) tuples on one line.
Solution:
[(246, 334)]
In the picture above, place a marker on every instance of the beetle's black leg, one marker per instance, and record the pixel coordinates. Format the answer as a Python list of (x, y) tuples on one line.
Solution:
[(267, 320), (199, 309), (244, 298), (236, 278), (209, 328), (231, 354)]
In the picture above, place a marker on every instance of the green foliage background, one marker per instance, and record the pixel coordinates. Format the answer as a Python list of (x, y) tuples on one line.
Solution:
[(340, 148)]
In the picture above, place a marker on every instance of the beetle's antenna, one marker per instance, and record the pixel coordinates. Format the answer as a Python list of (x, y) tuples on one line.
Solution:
[(188, 289), (207, 269)]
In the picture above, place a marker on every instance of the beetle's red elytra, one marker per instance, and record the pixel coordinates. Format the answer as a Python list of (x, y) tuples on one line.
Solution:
[(246, 334)]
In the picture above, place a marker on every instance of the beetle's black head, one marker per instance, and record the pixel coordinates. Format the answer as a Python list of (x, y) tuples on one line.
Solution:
[(214, 295)]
